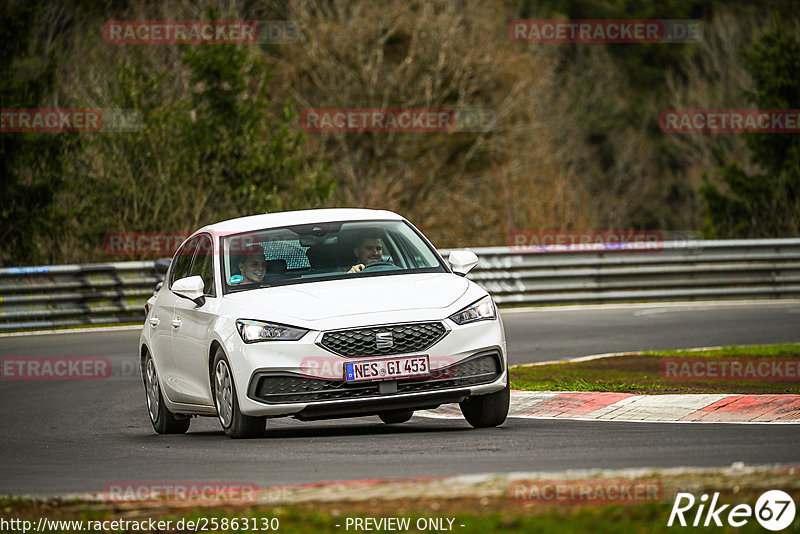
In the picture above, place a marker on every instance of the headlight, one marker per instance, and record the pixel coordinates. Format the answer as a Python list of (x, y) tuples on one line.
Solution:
[(254, 331), (481, 310)]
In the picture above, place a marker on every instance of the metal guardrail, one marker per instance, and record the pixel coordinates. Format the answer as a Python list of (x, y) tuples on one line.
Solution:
[(68, 295), (681, 270), (109, 293)]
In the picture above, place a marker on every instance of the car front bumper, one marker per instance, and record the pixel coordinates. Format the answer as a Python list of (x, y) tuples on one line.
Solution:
[(306, 381)]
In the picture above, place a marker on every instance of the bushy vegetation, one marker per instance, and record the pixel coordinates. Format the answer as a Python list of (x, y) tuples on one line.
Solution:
[(575, 146), (766, 202)]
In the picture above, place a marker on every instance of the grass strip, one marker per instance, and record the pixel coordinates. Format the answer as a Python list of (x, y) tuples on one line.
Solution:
[(463, 515), (648, 372)]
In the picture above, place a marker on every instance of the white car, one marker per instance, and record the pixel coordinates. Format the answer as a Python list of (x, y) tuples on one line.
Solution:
[(319, 314)]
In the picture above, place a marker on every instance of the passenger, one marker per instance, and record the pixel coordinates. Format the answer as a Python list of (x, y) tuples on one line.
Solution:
[(253, 265)]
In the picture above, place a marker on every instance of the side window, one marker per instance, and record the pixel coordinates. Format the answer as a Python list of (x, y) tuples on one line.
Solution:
[(204, 264), (183, 261)]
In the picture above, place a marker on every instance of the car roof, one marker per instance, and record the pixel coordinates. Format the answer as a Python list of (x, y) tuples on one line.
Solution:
[(288, 218)]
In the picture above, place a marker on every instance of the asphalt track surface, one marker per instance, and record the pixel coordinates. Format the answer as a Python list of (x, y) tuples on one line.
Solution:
[(61, 437)]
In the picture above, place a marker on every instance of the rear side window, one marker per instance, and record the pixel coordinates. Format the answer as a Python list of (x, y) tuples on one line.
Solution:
[(291, 252), (183, 260)]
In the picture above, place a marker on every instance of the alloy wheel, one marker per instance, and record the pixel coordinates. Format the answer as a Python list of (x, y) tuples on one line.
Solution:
[(224, 393)]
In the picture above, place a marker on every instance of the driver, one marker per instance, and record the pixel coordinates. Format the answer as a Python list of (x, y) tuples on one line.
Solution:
[(253, 265), (369, 249)]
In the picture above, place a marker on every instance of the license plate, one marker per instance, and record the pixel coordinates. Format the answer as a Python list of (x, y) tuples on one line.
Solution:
[(386, 368)]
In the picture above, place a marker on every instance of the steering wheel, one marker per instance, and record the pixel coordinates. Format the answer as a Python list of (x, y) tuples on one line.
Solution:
[(379, 264)]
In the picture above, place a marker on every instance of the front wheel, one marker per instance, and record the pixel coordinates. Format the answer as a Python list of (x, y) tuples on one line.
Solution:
[(164, 421), (483, 411), (233, 421)]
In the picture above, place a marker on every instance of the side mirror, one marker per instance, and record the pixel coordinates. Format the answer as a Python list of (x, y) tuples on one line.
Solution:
[(190, 288), (462, 261)]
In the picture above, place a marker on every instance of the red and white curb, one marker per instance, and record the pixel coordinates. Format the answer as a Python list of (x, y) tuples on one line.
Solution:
[(691, 408)]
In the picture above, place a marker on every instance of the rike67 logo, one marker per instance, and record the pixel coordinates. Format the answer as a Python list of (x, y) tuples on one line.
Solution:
[(774, 510)]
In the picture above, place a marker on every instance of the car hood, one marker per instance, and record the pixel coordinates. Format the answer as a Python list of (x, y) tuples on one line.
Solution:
[(336, 298)]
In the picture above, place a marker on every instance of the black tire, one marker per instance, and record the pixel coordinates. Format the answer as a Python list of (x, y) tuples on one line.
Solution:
[(164, 421), (484, 411), (395, 417), (233, 421)]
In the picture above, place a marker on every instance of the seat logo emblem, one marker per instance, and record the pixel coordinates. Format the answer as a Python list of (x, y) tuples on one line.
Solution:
[(383, 340)]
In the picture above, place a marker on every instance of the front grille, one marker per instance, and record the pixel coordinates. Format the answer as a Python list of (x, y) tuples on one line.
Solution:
[(483, 368), (415, 337)]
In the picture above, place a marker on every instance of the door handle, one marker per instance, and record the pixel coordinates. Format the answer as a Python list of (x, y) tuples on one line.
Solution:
[(176, 322), (154, 321)]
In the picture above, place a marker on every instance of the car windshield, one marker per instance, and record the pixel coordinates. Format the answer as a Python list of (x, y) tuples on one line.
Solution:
[(324, 251)]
